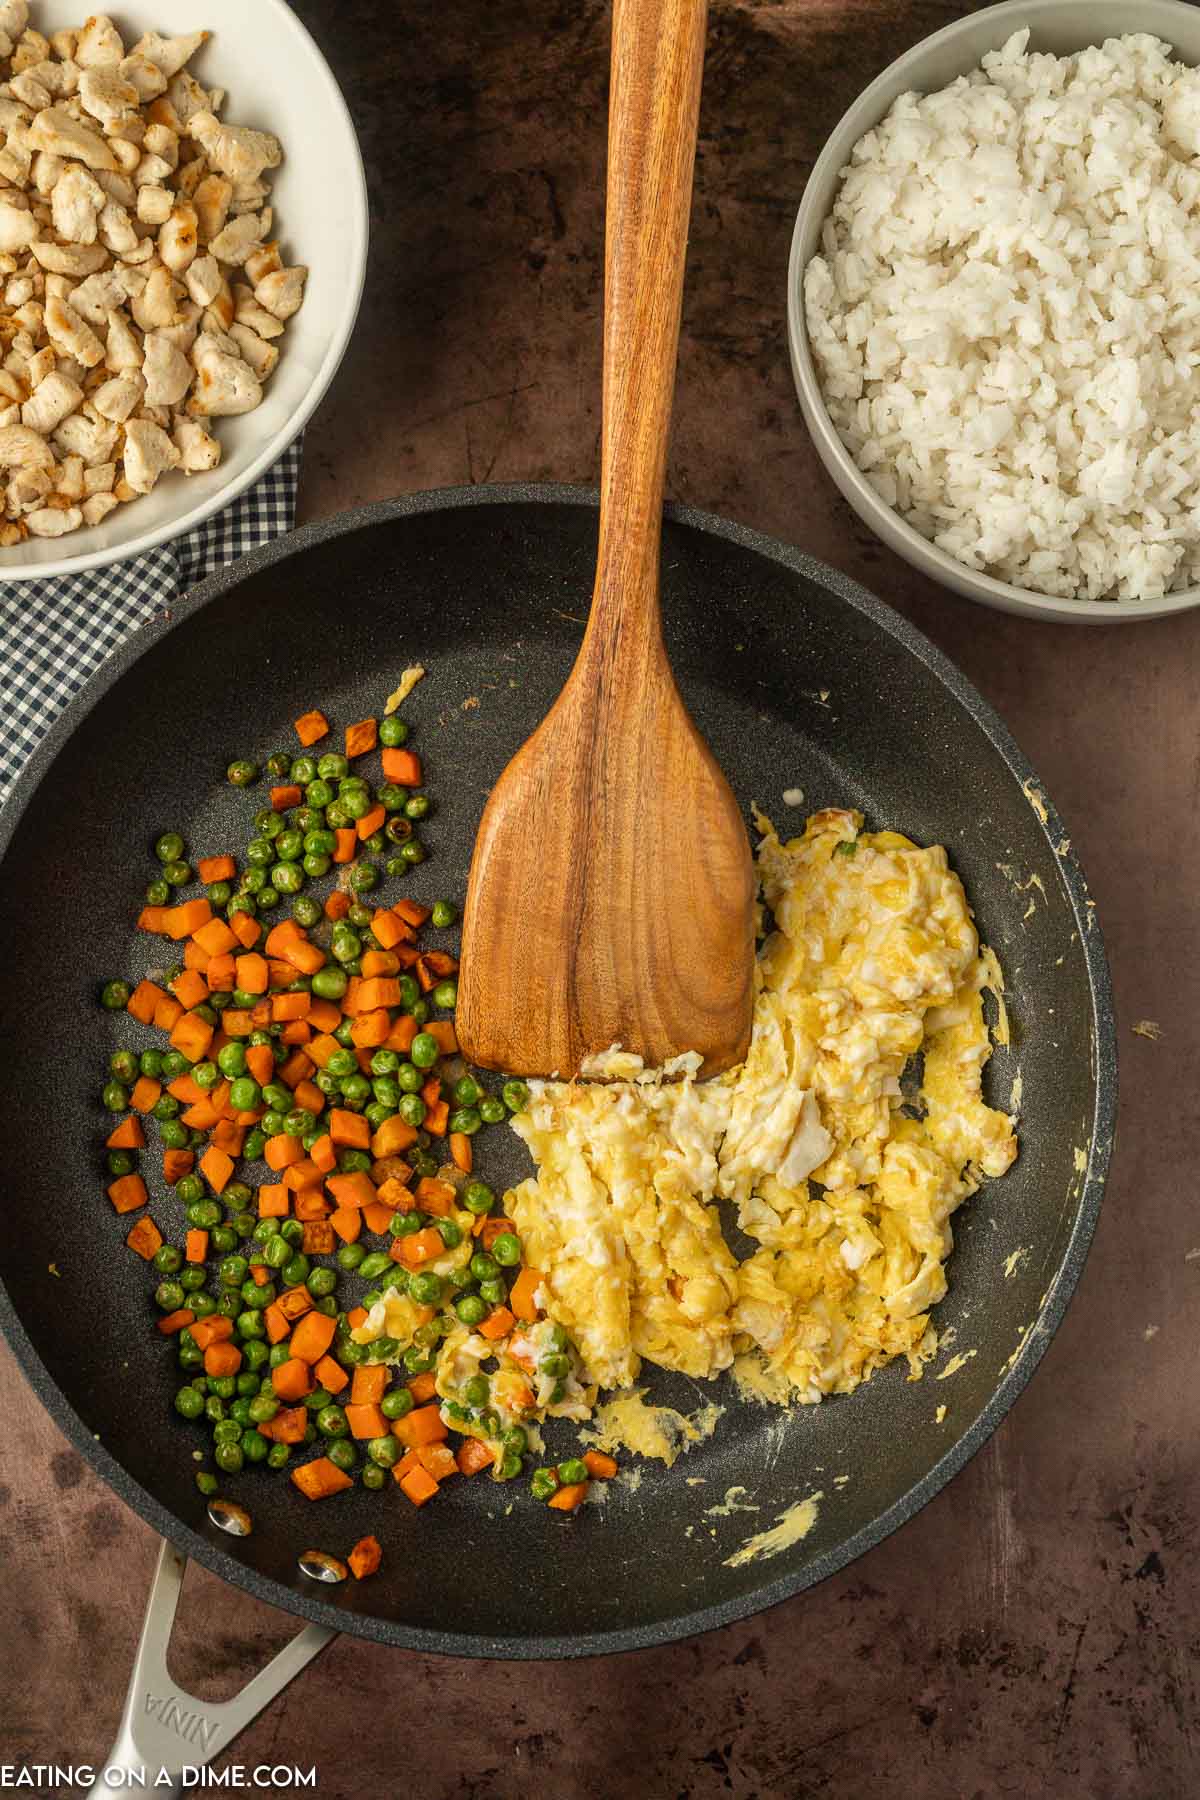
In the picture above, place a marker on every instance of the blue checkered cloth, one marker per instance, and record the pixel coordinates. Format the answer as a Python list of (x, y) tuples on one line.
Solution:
[(55, 634)]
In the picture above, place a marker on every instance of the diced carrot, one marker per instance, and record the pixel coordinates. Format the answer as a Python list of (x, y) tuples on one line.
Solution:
[(127, 1193), (185, 1089), (369, 1384), (311, 727), (380, 962), (176, 1321), (211, 1330), (216, 1166), (194, 957), (288, 931), (184, 920), (434, 1196), (202, 1116), (602, 1467), (403, 766), (128, 1135), (473, 1456), (354, 1189), (215, 936), (521, 1295), (309, 1203), (376, 1217), (491, 1229), (370, 822), (460, 1151), (349, 1129), (413, 912), (388, 929), (236, 1022), (288, 1426), (419, 1247), (330, 1375), (322, 1048), (222, 1359), (192, 1035), (498, 1324), (365, 1558), (298, 1067), (245, 929), (229, 1137), (361, 737), (416, 1484), (393, 1195), (280, 974), (287, 794), (251, 972), (195, 1246), (305, 958), (392, 1136), (366, 1421), (324, 1016), (277, 1323), (144, 1237), (302, 1174), (324, 1154), (308, 1095), (347, 1222), (338, 904), (444, 1035), (142, 1001), (423, 1387), (190, 988), (370, 1030), (221, 973), (350, 997), (356, 1316), (317, 1480), (289, 1006), (176, 1164), (318, 1238), (313, 1336), (273, 1199), (437, 1460), (281, 1150), (292, 1380), (345, 843), (261, 1063), (167, 1012), (568, 1497), (296, 1031), (379, 990), (421, 1426), (437, 1117), (151, 919), (216, 868)]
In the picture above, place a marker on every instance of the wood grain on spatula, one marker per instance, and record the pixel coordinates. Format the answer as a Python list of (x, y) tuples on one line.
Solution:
[(611, 891)]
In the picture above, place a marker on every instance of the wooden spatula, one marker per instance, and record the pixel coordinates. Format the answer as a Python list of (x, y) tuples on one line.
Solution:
[(611, 891)]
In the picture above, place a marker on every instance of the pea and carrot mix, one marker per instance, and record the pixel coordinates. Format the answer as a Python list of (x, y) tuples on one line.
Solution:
[(347, 1302)]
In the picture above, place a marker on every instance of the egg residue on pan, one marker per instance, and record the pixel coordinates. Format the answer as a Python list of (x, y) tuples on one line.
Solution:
[(845, 1142)]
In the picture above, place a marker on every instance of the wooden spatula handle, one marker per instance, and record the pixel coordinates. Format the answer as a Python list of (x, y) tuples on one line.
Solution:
[(654, 107)]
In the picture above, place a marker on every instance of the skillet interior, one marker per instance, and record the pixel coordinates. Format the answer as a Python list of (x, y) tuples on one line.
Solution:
[(798, 679)]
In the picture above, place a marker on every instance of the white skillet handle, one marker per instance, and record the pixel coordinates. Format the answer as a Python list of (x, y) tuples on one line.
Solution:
[(163, 1726)]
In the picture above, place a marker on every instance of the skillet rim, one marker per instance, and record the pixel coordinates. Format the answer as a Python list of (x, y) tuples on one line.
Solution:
[(769, 1593)]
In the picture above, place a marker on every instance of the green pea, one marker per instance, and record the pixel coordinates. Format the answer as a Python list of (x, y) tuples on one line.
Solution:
[(351, 1257), (158, 892), (417, 807), (494, 1291), (477, 1391), (306, 911), (169, 847), (491, 1110), (241, 773), (233, 1271), (363, 877), (231, 1059), (228, 1456), (386, 1090), (345, 945), (168, 1259), (333, 766), (393, 732), (417, 1361), (115, 1096), (168, 1296), (178, 874), (375, 1263), (572, 1471), (444, 914), (515, 1095), (466, 1091), (249, 1324), (450, 1233), (555, 1365), (203, 1214), (245, 1094), (114, 995), (384, 1451), (278, 1456), (269, 899), (398, 830), (383, 1349), (408, 1079), (295, 1270), (257, 1295), (201, 1303), (543, 1483), (426, 1288), (419, 1011), (445, 995), (353, 1162), (466, 1120), (192, 1277), (478, 1198), (424, 1050), (331, 1422), (350, 1354), (343, 1454), (506, 1250), (515, 1440), (292, 1231), (391, 797), (356, 1089), (267, 822), (412, 853), (189, 1401), (120, 1162)]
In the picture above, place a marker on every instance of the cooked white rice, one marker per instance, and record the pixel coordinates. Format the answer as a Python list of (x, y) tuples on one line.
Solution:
[(1006, 317)]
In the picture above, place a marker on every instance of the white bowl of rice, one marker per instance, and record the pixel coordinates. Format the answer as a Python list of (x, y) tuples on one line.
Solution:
[(994, 308)]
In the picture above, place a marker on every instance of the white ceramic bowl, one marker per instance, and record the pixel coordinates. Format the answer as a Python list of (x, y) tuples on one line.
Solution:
[(278, 80), (1060, 26)]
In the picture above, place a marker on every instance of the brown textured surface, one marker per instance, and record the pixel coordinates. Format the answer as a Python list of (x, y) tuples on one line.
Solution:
[(1034, 1630)]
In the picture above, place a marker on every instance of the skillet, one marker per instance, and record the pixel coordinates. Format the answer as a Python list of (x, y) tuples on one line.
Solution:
[(798, 678)]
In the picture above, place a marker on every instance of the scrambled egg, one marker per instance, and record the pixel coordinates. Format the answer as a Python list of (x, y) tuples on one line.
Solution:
[(843, 1144)]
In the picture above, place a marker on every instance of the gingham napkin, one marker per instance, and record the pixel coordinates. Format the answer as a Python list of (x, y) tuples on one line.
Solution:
[(55, 634)]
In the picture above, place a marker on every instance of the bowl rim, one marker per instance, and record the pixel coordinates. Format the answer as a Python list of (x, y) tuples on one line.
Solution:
[(356, 204), (863, 113)]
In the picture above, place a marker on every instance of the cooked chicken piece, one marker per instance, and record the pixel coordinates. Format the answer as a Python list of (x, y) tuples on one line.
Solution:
[(247, 311), (99, 479), (72, 335), (282, 291), (27, 489), (61, 79), (39, 366), (155, 305), (214, 338), (148, 451), (238, 240), (70, 259), (61, 134), (204, 280), (219, 312), (30, 49), (29, 90), (211, 200), (117, 230), (98, 43), (151, 168), (178, 238), (264, 261), (160, 140), (124, 348), (167, 371), (198, 450), (94, 439), (117, 186), (52, 521), (107, 97), (143, 75), (169, 53), (93, 298), (98, 506), (74, 205), (118, 397), (127, 156), (236, 150), (255, 350), (18, 227), (154, 205), (30, 318), (14, 17), (184, 332), (63, 43), (225, 385), (52, 399), (187, 97), (69, 480), (21, 448), (18, 289)]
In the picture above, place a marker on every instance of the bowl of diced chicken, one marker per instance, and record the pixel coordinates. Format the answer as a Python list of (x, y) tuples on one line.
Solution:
[(183, 237)]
